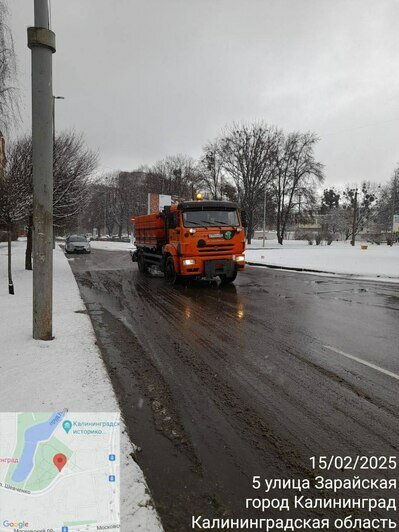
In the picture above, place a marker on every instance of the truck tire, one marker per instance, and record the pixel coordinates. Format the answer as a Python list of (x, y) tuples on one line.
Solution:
[(143, 268), (170, 273), (224, 280)]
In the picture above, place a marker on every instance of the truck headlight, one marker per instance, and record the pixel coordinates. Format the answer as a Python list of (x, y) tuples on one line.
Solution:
[(188, 262), (239, 258), (192, 230)]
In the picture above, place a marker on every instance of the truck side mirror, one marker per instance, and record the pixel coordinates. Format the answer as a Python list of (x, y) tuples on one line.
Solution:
[(244, 218), (173, 220)]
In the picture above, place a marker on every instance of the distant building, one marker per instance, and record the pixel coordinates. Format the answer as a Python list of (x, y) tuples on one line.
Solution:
[(2, 154)]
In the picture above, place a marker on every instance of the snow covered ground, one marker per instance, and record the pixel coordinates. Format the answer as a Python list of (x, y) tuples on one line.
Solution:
[(377, 262), (65, 373), (111, 246)]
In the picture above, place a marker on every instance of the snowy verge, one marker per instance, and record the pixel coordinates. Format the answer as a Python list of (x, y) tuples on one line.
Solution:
[(67, 372), (111, 246), (375, 262)]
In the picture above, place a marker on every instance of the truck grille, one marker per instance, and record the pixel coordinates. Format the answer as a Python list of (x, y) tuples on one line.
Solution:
[(216, 248)]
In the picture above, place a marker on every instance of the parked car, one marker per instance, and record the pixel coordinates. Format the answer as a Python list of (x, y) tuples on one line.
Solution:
[(77, 244)]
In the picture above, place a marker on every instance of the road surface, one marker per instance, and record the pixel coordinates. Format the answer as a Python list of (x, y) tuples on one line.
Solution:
[(218, 385)]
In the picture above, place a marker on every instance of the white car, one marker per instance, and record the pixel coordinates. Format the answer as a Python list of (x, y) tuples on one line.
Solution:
[(77, 244)]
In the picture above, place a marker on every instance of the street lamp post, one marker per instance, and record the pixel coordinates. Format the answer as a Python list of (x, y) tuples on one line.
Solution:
[(394, 200), (105, 211), (55, 98), (264, 216), (354, 221)]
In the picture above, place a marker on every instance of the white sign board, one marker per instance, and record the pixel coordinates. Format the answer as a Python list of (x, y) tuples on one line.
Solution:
[(164, 201), (395, 223)]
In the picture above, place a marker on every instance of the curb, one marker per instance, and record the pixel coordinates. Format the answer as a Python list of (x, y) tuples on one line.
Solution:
[(325, 272), (290, 268)]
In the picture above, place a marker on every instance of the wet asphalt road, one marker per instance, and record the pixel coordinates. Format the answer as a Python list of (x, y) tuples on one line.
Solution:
[(218, 385)]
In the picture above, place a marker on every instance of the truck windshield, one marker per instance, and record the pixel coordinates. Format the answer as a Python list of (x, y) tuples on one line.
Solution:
[(210, 217)]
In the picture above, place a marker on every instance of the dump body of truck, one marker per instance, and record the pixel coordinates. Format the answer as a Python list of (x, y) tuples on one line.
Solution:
[(149, 231), (194, 239)]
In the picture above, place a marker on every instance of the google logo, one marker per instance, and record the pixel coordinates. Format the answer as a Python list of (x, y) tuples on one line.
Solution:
[(15, 524)]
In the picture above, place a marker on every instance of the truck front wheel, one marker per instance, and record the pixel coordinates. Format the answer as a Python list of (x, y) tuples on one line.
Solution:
[(224, 279), (170, 272)]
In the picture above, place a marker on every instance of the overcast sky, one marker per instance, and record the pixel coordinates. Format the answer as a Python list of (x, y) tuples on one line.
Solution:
[(150, 78)]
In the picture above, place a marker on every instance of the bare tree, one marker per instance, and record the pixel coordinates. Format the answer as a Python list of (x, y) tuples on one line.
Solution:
[(212, 169), (119, 198), (360, 201), (387, 204), (295, 169), (177, 175), (97, 213), (19, 170), (74, 164), (15, 202), (337, 221), (114, 198), (9, 109), (135, 187), (383, 209), (247, 152)]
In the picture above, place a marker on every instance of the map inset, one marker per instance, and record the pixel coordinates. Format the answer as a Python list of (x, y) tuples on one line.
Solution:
[(59, 471)]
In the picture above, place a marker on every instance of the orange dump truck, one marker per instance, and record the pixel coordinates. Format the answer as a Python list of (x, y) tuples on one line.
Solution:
[(192, 240)]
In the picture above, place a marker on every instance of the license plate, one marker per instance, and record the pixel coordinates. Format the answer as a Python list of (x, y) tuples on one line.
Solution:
[(215, 235)]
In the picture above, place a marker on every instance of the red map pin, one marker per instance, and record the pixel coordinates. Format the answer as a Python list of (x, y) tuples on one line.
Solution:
[(59, 461)]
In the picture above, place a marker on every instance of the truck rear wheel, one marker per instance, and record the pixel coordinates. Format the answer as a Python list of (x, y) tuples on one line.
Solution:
[(143, 268), (224, 280), (170, 272)]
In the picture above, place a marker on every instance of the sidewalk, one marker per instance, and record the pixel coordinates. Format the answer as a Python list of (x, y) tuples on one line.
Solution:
[(65, 373)]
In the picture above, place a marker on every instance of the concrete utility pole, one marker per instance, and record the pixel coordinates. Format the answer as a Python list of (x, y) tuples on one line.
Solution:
[(42, 43)]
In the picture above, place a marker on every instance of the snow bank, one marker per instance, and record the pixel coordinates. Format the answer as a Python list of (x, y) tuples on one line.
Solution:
[(111, 246), (377, 262), (65, 373)]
